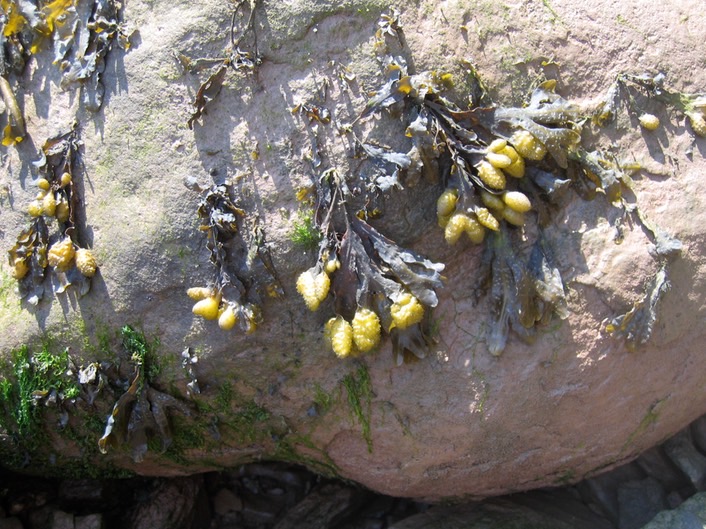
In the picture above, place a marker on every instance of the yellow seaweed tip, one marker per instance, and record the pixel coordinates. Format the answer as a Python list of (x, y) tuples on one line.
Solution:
[(366, 329), (207, 308), (339, 334), (227, 318), (406, 311), (649, 121)]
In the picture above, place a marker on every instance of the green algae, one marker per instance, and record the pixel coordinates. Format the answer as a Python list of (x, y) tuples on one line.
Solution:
[(359, 390)]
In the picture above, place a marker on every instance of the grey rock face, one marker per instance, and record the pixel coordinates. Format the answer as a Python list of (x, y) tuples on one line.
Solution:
[(690, 461), (459, 423), (691, 514), (89, 521), (639, 502)]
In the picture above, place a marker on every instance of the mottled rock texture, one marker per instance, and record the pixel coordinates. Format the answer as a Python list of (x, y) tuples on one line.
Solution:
[(689, 514), (460, 423)]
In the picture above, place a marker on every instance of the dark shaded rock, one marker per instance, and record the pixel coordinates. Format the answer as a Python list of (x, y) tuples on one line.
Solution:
[(690, 461), (698, 433), (260, 510), (365, 524), (90, 521), (561, 505), (495, 515), (601, 490), (378, 512), (639, 502), (41, 518), (656, 464), (62, 520), (29, 494), (170, 505), (81, 490), (10, 523), (226, 501), (277, 474), (324, 508), (283, 484)]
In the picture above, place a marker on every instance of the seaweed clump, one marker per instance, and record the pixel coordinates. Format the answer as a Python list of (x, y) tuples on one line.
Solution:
[(482, 158), (626, 87), (377, 285), (38, 382), (503, 172), (56, 206), (497, 166), (236, 58), (80, 34), (142, 413), (44, 392), (241, 260)]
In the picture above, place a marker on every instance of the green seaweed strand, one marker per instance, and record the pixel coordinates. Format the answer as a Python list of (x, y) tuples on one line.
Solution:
[(359, 389)]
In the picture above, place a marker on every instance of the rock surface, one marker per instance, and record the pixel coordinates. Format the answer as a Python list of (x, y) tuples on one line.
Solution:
[(460, 423), (494, 516), (281, 495), (692, 513)]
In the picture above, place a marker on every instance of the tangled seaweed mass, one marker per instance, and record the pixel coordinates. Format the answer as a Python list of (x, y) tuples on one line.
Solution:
[(502, 174), (496, 166), (80, 34)]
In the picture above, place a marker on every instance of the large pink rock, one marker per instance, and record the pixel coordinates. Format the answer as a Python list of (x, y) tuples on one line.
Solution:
[(459, 423)]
